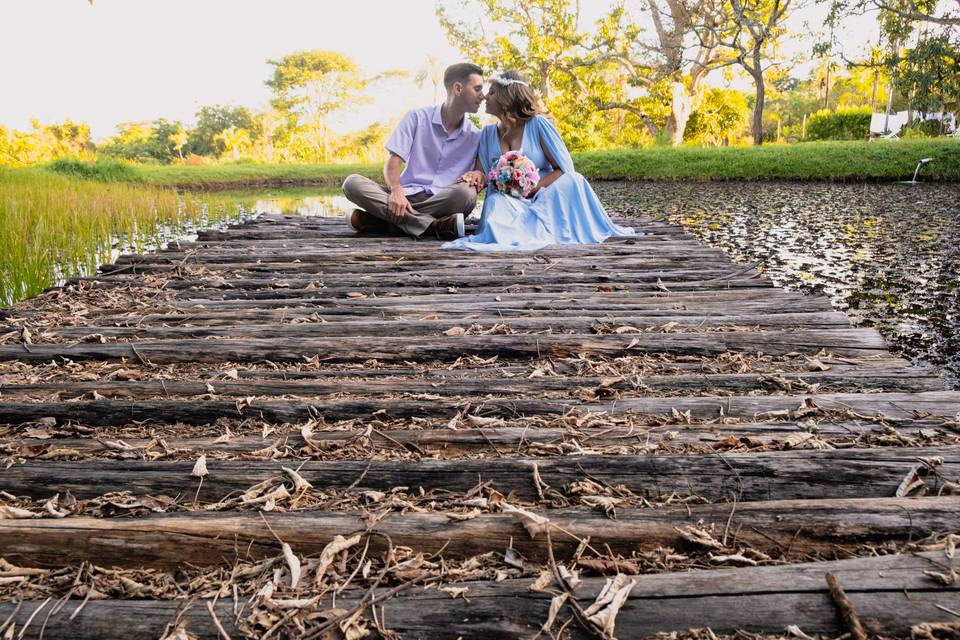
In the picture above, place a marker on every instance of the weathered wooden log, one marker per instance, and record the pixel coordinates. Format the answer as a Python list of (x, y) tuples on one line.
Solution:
[(495, 287), (464, 278), (510, 437), (889, 406), (887, 379), (890, 594), (343, 250), (485, 301), (781, 475), (786, 530), (382, 327), (852, 342), (508, 266)]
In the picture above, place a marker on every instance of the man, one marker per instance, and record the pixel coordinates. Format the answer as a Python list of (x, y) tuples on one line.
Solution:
[(438, 145)]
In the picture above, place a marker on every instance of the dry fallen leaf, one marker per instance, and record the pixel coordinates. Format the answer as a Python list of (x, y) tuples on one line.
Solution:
[(293, 563), (603, 612), (200, 468), (15, 513), (299, 484), (455, 592), (543, 580), (335, 546), (534, 524), (699, 536), (555, 605), (455, 331)]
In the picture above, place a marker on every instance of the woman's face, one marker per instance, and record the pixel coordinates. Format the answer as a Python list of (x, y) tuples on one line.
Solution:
[(493, 102)]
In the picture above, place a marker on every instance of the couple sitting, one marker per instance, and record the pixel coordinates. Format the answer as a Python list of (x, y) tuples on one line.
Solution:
[(449, 161)]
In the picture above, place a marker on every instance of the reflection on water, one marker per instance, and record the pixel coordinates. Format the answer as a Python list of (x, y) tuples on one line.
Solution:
[(885, 253), (312, 202)]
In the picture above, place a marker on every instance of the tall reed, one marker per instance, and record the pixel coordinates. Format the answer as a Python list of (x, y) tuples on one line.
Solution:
[(53, 226)]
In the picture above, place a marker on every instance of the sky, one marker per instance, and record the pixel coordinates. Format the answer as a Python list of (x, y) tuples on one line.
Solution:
[(136, 60)]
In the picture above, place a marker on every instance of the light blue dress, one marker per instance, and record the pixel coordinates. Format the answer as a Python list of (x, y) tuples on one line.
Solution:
[(566, 212)]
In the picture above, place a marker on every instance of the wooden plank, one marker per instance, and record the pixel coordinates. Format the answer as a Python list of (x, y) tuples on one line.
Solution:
[(519, 438), (786, 530), (779, 475), (891, 406), (887, 379), (852, 342), (891, 593), (406, 327)]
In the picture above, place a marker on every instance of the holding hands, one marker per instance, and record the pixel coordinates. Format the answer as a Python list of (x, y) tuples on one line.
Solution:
[(475, 179)]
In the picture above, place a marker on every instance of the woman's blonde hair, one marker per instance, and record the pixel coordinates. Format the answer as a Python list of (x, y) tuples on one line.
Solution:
[(514, 95)]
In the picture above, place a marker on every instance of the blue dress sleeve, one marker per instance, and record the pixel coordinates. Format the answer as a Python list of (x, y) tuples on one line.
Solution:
[(550, 139)]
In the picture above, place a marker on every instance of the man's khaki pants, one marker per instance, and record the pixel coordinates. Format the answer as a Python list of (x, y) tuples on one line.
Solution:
[(374, 199)]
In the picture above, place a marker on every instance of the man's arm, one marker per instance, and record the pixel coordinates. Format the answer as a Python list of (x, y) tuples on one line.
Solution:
[(398, 203)]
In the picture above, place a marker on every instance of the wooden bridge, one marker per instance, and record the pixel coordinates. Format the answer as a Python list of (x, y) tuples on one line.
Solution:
[(285, 430)]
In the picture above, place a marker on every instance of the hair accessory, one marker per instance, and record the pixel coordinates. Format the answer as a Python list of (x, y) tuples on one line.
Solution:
[(506, 82)]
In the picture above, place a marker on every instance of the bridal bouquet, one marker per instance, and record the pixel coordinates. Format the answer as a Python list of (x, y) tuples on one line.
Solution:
[(514, 174)]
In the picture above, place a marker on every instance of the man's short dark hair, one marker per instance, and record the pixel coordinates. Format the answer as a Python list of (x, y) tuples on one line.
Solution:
[(460, 72)]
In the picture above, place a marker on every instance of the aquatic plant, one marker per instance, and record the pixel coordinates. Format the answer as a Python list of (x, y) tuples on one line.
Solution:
[(53, 227)]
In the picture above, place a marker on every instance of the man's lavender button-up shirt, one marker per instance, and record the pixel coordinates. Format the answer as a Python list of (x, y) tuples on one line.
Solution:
[(434, 157)]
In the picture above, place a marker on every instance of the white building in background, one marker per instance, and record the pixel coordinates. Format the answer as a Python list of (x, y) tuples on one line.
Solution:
[(898, 120)]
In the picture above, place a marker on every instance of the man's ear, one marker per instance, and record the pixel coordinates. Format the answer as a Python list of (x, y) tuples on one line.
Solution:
[(457, 88)]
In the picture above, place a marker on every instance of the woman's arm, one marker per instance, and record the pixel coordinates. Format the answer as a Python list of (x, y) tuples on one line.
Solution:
[(554, 175)]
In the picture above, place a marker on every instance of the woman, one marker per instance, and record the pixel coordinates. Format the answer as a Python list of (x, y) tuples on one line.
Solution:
[(562, 208)]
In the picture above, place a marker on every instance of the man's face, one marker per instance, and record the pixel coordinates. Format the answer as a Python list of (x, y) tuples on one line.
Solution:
[(471, 93)]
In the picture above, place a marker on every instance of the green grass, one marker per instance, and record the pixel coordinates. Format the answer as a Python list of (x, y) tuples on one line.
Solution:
[(843, 161), (848, 161), (250, 174), (103, 170), (53, 227)]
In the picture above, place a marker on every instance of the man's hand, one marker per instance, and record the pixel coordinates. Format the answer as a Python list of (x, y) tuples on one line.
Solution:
[(398, 205), (475, 179)]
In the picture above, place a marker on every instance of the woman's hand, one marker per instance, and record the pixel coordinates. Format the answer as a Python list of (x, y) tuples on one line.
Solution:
[(475, 179)]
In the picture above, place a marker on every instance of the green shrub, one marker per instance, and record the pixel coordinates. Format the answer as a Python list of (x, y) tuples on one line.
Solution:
[(103, 170), (921, 129), (842, 124)]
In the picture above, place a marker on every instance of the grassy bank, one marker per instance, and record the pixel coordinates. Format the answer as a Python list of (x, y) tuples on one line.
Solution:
[(246, 174), (879, 160), (54, 226), (842, 161)]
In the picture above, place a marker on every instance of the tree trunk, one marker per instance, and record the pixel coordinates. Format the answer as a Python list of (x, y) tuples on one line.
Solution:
[(826, 89), (758, 108), (681, 108)]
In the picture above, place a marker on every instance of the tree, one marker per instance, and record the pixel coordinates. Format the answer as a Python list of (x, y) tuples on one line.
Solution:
[(917, 11), (663, 66), (312, 85), (432, 71), (213, 119), (45, 142), (234, 140), (542, 40), (143, 141), (929, 74), (749, 32), (722, 115), (178, 139)]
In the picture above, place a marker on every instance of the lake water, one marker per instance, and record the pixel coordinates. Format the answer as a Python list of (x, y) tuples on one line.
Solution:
[(887, 254)]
